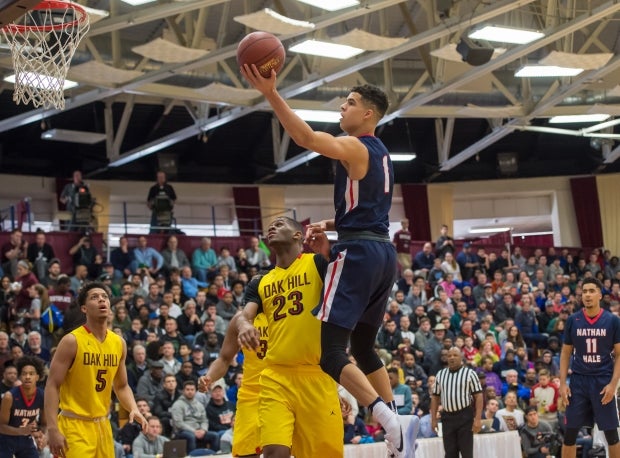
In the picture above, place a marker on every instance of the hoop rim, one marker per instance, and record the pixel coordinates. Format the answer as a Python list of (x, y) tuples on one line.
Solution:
[(51, 4)]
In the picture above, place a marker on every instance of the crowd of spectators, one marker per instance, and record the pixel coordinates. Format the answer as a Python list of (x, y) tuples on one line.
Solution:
[(505, 311)]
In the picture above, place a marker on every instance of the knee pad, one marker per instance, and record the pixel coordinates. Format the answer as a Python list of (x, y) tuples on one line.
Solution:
[(570, 436), (333, 362), (333, 349), (612, 436), (363, 348)]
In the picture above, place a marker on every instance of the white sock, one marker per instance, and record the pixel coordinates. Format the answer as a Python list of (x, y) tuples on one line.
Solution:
[(388, 419)]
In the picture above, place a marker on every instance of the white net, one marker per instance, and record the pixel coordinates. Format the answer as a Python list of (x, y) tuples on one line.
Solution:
[(42, 43)]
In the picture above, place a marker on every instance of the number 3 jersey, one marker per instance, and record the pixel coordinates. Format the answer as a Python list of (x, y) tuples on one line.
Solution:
[(87, 389), (25, 411), (593, 341), (287, 297)]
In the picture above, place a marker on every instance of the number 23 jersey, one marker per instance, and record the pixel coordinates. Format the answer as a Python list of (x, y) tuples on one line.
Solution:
[(287, 297)]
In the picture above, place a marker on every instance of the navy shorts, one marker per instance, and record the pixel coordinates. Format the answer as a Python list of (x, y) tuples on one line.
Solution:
[(18, 446), (358, 283), (585, 405)]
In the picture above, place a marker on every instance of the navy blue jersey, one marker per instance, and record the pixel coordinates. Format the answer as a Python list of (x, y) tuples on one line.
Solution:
[(24, 412), (593, 341), (364, 205)]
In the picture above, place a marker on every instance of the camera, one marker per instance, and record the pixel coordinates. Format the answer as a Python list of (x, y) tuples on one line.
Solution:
[(552, 441)]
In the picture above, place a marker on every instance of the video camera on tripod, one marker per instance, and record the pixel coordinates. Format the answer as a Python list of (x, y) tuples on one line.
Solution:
[(162, 207), (82, 207)]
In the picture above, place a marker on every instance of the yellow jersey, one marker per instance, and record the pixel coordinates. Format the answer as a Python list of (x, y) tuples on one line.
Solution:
[(87, 388), (254, 361), (287, 297)]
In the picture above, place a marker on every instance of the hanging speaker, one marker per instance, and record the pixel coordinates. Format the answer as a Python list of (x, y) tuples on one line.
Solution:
[(474, 52)]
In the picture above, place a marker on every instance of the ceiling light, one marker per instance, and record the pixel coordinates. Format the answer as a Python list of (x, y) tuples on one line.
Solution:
[(572, 119), (39, 81), (529, 234), (506, 35), (326, 49), (541, 71), (402, 157), (487, 230), (331, 5), (319, 115), (73, 136), (137, 2)]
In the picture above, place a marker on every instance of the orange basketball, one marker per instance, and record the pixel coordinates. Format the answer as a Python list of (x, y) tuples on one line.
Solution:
[(263, 50)]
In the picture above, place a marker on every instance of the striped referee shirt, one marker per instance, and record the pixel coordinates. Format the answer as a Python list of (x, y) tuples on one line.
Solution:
[(456, 389)]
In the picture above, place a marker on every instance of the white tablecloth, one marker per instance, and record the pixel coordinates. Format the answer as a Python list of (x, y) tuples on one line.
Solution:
[(494, 445)]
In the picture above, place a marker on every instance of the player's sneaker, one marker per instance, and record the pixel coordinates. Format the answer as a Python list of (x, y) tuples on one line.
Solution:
[(404, 446)]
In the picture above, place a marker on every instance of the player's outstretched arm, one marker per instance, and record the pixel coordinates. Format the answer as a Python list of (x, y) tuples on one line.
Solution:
[(345, 148), (124, 393), (230, 348), (62, 361)]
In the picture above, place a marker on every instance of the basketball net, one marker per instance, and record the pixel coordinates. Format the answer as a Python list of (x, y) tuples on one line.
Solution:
[(42, 43)]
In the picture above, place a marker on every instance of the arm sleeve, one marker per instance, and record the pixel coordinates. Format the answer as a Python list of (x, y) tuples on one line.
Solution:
[(251, 293)]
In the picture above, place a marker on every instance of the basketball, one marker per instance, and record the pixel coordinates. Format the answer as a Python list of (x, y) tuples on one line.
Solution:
[(263, 50)]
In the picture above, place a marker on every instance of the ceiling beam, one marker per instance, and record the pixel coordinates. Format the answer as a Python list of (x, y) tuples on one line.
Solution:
[(168, 70), (505, 130)]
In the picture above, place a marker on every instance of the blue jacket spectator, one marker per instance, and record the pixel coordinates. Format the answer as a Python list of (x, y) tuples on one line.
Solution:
[(146, 256)]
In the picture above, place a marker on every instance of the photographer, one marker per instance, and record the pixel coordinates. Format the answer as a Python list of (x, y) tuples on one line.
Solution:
[(538, 440), (161, 189), (68, 197)]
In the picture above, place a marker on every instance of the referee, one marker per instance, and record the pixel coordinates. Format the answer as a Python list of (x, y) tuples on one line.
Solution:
[(460, 392)]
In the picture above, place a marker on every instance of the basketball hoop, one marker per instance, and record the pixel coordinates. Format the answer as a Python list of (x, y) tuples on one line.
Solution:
[(42, 43)]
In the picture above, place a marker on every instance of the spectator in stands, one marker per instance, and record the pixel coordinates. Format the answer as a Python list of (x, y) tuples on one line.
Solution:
[(131, 430), (9, 378), (390, 337), (137, 366), (122, 258), (238, 291), (402, 393), (512, 383), (40, 254), (241, 260), (257, 257), (160, 189), (486, 349), (422, 336), (226, 308), (432, 350), (170, 363), (171, 300), (208, 326), (412, 369), (151, 442), (444, 244), (468, 262), (190, 420), (146, 257), (511, 418), (50, 279), (220, 411), (121, 316), (486, 367), (424, 260), (535, 435), (5, 349), (515, 338), (517, 258), (173, 335), (406, 281), (24, 280), (190, 284), (226, 259), (204, 260), (188, 322), (67, 196), (13, 251), (84, 253), (479, 290), (164, 400), (34, 348), (450, 266), (402, 242), (544, 396), (151, 382), (173, 256)]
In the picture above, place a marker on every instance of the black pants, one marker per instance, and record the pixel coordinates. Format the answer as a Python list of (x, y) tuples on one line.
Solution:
[(457, 433)]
